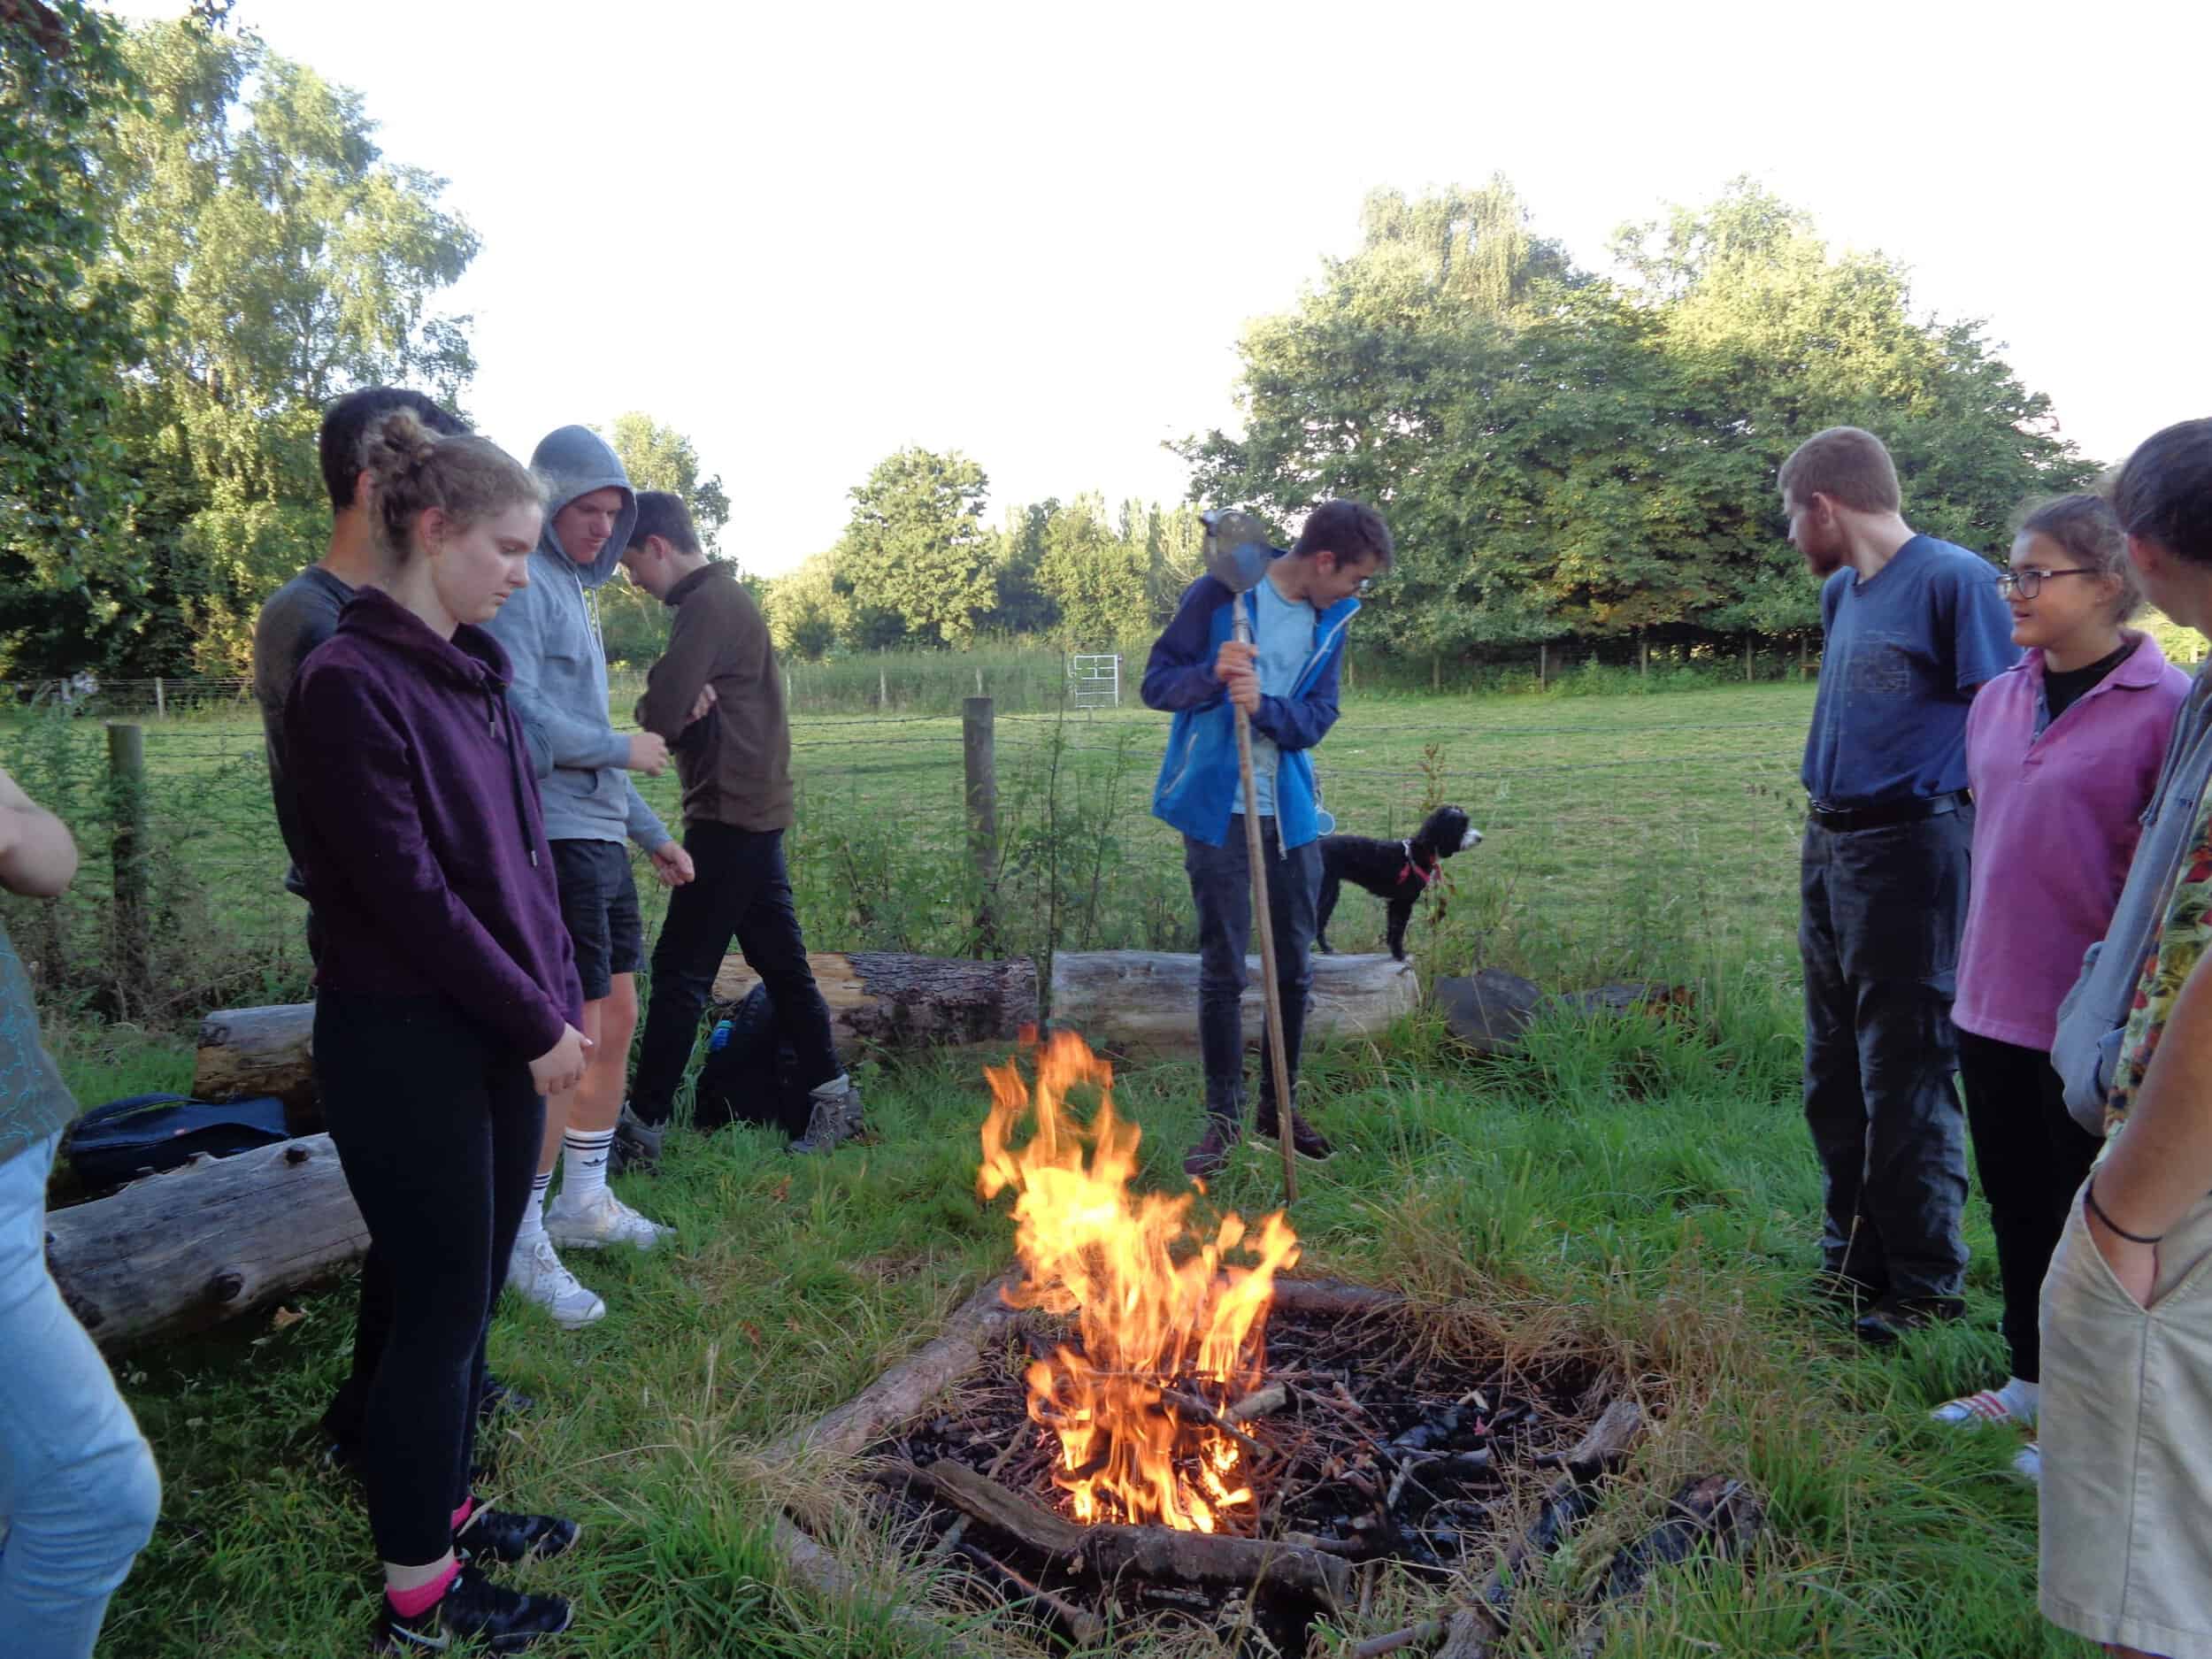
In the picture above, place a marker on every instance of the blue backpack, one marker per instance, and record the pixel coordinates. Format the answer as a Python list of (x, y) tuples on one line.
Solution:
[(125, 1139)]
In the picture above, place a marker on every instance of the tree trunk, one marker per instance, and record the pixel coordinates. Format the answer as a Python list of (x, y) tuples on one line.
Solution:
[(1146, 1001), (219, 1237), (880, 998), (874, 997)]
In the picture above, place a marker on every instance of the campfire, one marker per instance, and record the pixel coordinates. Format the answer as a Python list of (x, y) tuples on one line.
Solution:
[(1173, 1331), (1149, 1425)]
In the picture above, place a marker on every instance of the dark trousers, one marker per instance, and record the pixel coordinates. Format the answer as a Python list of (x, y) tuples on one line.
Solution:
[(437, 1127), (2033, 1158), (1878, 932), (742, 892), (1221, 885)]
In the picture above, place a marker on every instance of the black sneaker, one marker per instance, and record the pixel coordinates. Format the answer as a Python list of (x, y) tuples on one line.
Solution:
[(510, 1537), (1841, 1295), (1210, 1156), (507, 1620), (498, 1397), (636, 1147), (1308, 1141), (1888, 1320)]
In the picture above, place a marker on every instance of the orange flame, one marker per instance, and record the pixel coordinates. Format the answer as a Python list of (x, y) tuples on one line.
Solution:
[(1155, 1303)]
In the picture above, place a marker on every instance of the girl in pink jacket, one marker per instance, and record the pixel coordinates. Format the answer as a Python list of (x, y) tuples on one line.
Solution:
[(2063, 752)]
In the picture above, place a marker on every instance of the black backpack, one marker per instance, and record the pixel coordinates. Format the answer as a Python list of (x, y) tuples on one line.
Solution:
[(751, 1078), (125, 1139)]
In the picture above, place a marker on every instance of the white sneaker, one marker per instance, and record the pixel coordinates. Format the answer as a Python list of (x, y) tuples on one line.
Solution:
[(535, 1273), (600, 1220)]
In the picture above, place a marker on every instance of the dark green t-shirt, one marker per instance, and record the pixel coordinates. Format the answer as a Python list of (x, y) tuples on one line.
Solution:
[(34, 1103)]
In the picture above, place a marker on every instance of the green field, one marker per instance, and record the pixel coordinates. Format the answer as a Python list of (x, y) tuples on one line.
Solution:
[(1643, 1190)]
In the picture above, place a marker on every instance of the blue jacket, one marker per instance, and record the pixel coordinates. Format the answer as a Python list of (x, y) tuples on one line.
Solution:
[(1198, 777)]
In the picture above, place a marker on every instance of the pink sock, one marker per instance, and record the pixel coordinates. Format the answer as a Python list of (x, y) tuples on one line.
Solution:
[(461, 1515), (413, 1603)]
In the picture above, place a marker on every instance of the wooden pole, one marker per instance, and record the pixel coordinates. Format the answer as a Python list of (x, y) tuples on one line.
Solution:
[(1747, 659), (883, 688), (1264, 925), (1543, 663), (161, 706), (978, 757), (126, 779)]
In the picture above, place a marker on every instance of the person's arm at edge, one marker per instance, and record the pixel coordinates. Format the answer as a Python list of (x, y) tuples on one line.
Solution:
[(673, 685), (2161, 1163), (38, 856)]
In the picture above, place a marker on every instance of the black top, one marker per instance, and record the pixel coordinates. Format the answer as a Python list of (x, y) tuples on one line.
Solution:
[(2060, 691)]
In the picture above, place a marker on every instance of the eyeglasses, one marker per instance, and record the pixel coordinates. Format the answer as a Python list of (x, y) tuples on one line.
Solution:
[(2028, 583)]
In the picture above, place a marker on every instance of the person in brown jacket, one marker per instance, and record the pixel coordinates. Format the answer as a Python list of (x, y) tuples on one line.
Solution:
[(717, 700)]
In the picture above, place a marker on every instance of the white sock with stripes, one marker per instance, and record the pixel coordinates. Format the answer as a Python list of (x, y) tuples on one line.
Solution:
[(583, 1164), (533, 1226)]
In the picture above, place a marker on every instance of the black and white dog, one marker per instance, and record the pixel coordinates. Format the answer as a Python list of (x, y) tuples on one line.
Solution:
[(1399, 871)]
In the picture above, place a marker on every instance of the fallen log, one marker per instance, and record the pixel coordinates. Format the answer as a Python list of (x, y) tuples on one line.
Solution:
[(216, 1238), (886, 1000), (1157, 1554), (247, 1051), (877, 999), (1491, 1011), (1131, 1001)]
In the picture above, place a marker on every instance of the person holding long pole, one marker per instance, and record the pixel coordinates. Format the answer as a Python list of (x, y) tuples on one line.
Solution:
[(1264, 838)]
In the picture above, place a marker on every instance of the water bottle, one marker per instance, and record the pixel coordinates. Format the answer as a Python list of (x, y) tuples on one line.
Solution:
[(720, 1040)]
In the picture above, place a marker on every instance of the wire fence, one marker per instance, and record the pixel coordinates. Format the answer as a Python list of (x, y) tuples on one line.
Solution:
[(1615, 843)]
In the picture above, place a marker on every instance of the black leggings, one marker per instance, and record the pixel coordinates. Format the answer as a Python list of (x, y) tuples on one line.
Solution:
[(2032, 1158), (438, 1127)]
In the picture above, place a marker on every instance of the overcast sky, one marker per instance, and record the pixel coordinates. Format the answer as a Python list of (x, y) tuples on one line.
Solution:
[(807, 235)]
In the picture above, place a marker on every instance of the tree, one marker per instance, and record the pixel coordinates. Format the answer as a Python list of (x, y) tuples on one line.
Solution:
[(806, 614), (915, 563), (280, 262), (661, 457), (67, 328), (1094, 576)]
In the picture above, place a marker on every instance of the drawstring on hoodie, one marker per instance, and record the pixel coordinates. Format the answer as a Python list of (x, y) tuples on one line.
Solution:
[(514, 772)]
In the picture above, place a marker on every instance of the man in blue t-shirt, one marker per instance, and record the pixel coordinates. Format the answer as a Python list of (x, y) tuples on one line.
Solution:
[(1913, 628)]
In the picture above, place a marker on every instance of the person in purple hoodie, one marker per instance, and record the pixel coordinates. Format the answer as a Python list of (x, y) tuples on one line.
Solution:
[(2063, 753), (447, 1003)]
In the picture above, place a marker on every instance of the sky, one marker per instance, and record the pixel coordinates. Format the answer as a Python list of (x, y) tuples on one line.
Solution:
[(806, 236)]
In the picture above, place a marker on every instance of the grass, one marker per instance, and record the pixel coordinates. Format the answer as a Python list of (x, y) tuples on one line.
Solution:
[(1644, 1186)]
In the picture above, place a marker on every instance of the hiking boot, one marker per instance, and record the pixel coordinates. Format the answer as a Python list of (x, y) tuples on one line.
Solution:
[(1305, 1140), (510, 1537), (855, 1124), (1888, 1320), (536, 1274), (1841, 1294), (599, 1221), (507, 1620), (636, 1147), (827, 1118), (1210, 1156)]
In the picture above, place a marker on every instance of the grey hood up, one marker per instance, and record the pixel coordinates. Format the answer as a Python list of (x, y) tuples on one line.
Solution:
[(560, 667)]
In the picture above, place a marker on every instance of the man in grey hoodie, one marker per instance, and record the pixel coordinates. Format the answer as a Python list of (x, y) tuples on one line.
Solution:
[(550, 633)]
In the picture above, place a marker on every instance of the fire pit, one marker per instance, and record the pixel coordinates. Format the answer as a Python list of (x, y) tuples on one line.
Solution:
[(1147, 1426)]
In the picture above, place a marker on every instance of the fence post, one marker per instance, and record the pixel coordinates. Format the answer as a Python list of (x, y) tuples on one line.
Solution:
[(1543, 663), (126, 793), (161, 706), (977, 748)]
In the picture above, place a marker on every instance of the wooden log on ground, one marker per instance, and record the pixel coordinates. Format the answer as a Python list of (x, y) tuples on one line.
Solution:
[(1157, 1554), (247, 1051), (222, 1236), (885, 1000), (1146, 1002)]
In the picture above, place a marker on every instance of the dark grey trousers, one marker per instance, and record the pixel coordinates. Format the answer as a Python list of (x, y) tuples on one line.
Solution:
[(1221, 886), (1883, 910)]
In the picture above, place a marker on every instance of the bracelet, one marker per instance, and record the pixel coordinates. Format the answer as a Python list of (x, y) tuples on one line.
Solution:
[(2089, 1197)]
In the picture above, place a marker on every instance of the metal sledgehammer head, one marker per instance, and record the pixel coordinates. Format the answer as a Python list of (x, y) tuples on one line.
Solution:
[(1237, 549)]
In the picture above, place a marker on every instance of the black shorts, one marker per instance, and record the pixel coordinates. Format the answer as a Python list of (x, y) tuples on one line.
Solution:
[(599, 905)]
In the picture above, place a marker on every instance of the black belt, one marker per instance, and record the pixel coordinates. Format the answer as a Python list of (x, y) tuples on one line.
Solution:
[(1847, 818)]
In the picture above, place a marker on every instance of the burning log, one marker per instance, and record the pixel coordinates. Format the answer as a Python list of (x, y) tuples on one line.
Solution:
[(1146, 1001), (1158, 1554)]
